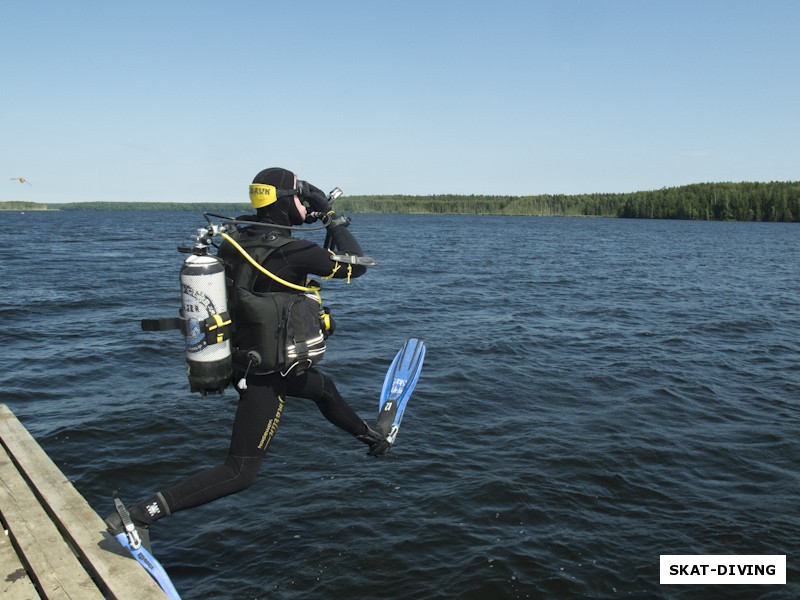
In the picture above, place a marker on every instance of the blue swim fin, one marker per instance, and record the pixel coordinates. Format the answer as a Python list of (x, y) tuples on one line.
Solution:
[(130, 538), (151, 565), (401, 378)]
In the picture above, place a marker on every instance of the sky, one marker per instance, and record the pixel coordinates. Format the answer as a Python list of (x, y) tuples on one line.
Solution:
[(178, 101)]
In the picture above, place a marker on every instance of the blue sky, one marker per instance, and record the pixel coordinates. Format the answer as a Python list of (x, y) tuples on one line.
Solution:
[(187, 101)]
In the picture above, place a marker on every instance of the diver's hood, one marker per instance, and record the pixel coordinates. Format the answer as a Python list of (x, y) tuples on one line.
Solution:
[(273, 193)]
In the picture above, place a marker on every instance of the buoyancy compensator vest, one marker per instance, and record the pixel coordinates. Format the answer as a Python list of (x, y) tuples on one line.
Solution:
[(274, 332)]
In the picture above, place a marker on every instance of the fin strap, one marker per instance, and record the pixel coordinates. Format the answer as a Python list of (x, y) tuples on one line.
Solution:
[(130, 529)]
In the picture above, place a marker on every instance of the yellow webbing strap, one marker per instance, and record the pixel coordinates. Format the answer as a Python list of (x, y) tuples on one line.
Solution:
[(219, 321), (219, 324), (336, 266)]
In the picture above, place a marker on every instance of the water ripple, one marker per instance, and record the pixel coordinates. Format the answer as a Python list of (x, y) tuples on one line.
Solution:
[(609, 392)]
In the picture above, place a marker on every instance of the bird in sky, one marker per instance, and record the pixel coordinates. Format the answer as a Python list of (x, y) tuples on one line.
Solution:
[(21, 180)]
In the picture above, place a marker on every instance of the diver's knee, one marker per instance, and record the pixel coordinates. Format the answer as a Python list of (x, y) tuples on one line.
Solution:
[(329, 390), (244, 470)]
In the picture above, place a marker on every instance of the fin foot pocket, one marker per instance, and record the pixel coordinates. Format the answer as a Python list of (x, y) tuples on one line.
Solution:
[(133, 535), (379, 449), (121, 521), (375, 439)]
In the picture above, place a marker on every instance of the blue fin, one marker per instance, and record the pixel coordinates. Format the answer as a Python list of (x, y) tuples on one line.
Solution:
[(151, 565), (401, 378)]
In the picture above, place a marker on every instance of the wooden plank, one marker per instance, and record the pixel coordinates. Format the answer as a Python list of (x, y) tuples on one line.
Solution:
[(114, 570), (14, 581), (54, 566)]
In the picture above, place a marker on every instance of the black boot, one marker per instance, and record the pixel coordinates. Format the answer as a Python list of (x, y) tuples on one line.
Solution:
[(142, 515), (115, 527), (378, 446)]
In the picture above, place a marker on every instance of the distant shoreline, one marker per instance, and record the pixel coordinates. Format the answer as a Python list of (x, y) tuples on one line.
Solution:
[(745, 201), (36, 209)]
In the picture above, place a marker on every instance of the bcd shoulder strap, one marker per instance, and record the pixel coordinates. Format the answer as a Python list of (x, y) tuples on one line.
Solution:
[(258, 245)]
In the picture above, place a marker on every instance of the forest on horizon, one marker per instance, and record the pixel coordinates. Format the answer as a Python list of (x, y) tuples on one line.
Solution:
[(745, 201)]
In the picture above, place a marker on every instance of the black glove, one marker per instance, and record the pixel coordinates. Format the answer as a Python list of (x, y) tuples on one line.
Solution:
[(337, 221), (316, 199)]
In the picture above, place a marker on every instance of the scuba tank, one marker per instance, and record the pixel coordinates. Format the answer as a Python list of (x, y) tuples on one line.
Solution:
[(204, 318), (205, 323)]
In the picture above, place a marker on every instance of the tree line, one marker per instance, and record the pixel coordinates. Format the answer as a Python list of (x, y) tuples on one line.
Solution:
[(745, 201)]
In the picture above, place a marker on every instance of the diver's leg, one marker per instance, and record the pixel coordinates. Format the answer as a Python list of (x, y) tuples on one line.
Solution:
[(257, 417), (315, 385)]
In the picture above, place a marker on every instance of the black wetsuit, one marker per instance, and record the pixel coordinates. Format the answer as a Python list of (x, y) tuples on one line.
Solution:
[(261, 403)]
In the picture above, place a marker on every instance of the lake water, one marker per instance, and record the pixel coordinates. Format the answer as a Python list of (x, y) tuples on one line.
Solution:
[(597, 392)]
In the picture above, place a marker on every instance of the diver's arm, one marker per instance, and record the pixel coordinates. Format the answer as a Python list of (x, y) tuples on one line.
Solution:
[(340, 239), (304, 257)]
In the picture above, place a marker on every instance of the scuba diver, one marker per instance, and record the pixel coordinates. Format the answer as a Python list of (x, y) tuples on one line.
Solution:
[(282, 203)]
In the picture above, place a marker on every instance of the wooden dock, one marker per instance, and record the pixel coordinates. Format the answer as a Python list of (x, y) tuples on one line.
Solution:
[(53, 544)]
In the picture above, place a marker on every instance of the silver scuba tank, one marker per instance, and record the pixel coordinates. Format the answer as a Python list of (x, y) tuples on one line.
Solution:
[(204, 310)]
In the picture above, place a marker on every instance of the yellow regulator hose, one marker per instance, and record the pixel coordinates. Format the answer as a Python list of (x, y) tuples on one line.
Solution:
[(272, 276)]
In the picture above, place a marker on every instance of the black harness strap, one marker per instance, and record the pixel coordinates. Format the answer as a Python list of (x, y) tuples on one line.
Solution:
[(164, 324), (217, 327)]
